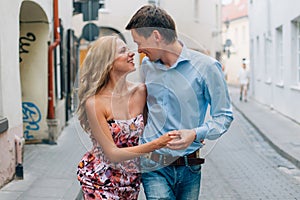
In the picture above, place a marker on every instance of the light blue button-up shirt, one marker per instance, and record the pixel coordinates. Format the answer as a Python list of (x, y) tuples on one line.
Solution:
[(178, 98)]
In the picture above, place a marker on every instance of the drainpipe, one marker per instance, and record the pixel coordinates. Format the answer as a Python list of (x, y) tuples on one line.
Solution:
[(19, 145), (52, 123), (51, 111)]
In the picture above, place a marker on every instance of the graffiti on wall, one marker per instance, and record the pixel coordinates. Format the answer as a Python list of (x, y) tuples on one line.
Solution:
[(31, 118), (25, 42)]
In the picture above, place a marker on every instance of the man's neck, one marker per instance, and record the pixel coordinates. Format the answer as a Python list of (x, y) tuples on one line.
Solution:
[(171, 53)]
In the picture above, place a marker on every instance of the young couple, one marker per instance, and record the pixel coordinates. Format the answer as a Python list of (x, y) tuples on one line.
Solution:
[(163, 140)]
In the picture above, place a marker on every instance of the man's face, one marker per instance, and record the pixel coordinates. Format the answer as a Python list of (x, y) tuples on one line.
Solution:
[(147, 46)]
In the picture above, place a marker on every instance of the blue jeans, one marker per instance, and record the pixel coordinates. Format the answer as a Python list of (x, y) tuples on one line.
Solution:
[(172, 182)]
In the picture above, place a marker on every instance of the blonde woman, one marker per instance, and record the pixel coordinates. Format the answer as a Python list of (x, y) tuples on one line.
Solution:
[(111, 110)]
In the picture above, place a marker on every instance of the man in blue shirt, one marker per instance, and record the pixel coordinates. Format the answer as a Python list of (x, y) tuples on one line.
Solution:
[(181, 83)]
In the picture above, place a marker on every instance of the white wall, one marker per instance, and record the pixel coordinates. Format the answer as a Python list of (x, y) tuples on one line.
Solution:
[(10, 80), (118, 13), (10, 76), (10, 87), (265, 16), (238, 32)]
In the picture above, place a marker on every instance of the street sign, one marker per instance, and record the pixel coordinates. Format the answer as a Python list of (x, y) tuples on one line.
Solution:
[(90, 32)]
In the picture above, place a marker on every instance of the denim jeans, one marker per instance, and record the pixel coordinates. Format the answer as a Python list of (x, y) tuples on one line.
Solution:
[(172, 182)]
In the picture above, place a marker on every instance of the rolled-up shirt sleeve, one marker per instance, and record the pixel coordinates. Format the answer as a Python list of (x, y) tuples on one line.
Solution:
[(214, 128), (217, 95)]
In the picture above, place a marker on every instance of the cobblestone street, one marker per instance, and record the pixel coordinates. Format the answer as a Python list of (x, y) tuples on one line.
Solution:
[(243, 166)]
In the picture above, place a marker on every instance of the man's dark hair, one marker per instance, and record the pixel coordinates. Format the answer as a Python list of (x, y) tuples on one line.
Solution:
[(149, 18)]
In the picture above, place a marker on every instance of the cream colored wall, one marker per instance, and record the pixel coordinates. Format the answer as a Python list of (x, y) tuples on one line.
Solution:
[(34, 81)]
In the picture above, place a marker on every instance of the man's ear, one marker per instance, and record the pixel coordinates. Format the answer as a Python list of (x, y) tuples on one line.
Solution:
[(157, 35)]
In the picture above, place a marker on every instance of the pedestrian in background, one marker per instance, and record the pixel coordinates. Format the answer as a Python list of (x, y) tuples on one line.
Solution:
[(244, 80), (181, 83), (111, 111)]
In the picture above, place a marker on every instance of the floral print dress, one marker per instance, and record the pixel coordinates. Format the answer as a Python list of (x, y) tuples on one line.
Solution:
[(102, 179)]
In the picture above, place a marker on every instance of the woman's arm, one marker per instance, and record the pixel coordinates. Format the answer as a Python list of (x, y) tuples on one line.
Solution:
[(100, 131)]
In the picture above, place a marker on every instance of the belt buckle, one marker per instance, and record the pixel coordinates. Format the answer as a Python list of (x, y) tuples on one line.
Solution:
[(148, 155), (198, 153), (164, 160)]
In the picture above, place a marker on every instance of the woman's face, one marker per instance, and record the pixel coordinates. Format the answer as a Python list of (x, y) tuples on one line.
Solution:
[(124, 61)]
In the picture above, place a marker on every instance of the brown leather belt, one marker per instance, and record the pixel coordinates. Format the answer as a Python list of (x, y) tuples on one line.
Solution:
[(167, 160)]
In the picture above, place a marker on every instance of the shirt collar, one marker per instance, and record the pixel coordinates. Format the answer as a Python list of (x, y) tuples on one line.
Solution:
[(184, 56)]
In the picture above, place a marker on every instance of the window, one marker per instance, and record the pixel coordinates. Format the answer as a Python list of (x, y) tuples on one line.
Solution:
[(279, 55), (58, 75), (298, 50), (267, 63), (1, 95), (236, 36), (252, 61), (295, 54), (244, 34), (258, 59)]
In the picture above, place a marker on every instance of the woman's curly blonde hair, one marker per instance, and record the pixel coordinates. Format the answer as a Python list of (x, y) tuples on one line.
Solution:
[(94, 73)]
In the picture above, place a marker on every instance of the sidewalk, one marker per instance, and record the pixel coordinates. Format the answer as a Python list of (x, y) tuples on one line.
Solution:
[(50, 170), (280, 132)]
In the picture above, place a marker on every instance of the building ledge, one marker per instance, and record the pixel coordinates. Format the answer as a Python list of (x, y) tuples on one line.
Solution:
[(268, 81), (3, 124), (295, 87), (104, 11), (280, 85)]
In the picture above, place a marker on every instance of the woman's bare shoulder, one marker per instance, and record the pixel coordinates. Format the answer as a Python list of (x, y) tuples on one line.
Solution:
[(139, 87), (96, 102)]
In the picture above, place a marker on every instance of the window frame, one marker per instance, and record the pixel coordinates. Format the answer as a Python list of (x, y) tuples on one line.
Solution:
[(267, 60), (297, 23), (280, 69)]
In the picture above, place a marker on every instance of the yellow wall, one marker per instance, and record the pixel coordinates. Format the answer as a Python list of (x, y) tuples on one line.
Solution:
[(34, 79)]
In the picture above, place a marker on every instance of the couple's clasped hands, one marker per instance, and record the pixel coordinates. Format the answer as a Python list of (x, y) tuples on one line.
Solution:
[(177, 139)]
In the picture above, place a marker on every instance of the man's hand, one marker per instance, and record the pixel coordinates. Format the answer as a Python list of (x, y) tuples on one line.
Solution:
[(163, 140), (186, 138)]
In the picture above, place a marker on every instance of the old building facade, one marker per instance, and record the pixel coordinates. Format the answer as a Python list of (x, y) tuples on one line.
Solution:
[(235, 33), (199, 27), (34, 66), (275, 55)]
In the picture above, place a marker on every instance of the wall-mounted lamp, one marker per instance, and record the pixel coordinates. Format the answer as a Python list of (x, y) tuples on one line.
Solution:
[(227, 23), (228, 41)]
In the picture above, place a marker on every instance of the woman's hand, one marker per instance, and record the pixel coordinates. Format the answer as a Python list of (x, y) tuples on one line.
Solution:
[(163, 140)]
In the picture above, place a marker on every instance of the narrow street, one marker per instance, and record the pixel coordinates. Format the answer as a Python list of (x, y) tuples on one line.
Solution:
[(239, 166), (243, 166)]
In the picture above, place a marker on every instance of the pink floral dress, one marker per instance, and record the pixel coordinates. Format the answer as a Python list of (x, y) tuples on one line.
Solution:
[(102, 179)]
